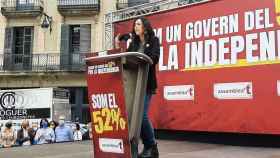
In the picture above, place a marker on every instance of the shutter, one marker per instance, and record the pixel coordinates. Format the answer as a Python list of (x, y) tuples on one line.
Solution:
[(85, 38), (32, 40), (64, 46), (8, 48), (28, 47)]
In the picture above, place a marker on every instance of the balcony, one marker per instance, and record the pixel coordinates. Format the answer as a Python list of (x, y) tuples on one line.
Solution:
[(21, 8), (78, 7), (12, 63)]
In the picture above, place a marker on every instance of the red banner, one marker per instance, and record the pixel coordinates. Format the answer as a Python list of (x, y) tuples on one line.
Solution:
[(218, 69), (108, 110)]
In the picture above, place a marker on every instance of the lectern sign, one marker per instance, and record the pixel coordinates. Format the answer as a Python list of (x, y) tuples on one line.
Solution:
[(107, 108)]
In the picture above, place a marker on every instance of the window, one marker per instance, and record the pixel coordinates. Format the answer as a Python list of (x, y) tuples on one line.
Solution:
[(72, 95), (23, 40), (23, 46), (75, 39), (85, 95), (25, 1), (25, 4)]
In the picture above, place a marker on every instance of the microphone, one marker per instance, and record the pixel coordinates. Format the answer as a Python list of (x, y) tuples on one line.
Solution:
[(124, 37)]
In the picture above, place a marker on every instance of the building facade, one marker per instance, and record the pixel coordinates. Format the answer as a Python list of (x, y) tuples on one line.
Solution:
[(43, 44)]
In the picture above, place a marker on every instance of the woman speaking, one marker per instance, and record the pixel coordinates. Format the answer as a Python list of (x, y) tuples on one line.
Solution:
[(143, 40)]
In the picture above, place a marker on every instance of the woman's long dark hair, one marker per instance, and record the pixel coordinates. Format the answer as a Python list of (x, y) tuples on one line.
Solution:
[(148, 32), (41, 122)]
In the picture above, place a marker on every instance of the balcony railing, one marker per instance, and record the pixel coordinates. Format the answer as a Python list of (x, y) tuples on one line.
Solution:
[(78, 7), (42, 62), (17, 8)]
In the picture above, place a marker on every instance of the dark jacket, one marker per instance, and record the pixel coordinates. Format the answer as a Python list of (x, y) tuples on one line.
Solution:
[(21, 139), (152, 49)]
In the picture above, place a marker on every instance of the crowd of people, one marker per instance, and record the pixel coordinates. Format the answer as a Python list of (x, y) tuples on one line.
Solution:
[(48, 132)]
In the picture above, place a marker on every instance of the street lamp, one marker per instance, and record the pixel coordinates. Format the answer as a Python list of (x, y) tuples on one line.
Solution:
[(47, 22)]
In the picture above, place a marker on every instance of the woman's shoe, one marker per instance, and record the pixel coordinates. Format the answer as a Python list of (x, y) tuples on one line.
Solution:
[(151, 152)]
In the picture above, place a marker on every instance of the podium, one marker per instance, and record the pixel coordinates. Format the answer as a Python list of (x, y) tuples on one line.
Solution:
[(116, 90)]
